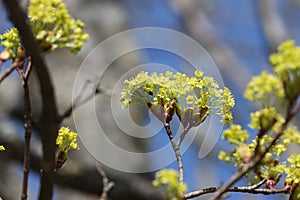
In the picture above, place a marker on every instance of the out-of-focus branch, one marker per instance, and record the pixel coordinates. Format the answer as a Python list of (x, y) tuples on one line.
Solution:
[(49, 115), (200, 28), (106, 184), (82, 98), (87, 178), (8, 71), (271, 24), (27, 126)]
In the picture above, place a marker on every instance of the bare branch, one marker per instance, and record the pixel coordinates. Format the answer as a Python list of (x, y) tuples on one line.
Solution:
[(176, 149), (272, 25), (48, 119), (27, 127), (106, 184), (183, 134), (8, 71), (82, 99)]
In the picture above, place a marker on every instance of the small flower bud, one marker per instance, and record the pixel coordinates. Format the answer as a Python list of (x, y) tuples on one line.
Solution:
[(4, 56), (270, 183), (244, 153), (20, 52), (61, 159), (168, 117)]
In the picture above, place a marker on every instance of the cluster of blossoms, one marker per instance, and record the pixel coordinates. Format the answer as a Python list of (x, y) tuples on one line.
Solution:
[(269, 89), (287, 68), (265, 88), (10, 41), (52, 26), (192, 99), (167, 180), (2, 148), (66, 140)]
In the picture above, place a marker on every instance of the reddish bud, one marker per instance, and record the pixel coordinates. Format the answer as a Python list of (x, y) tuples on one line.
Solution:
[(61, 159), (4, 56), (168, 117), (270, 183)]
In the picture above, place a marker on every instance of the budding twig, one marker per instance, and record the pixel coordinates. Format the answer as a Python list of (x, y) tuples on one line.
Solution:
[(8, 71), (257, 158), (254, 189)]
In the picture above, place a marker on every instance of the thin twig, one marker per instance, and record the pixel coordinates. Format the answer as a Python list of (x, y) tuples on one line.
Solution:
[(28, 68), (106, 183), (183, 134), (49, 114), (257, 157), (27, 127), (176, 149), (245, 189), (8, 71), (81, 99)]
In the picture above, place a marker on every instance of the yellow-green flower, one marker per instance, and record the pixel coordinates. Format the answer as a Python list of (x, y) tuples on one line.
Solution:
[(286, 64), (66, 139), (265, 119), (52, 26), (178, 93), (167, 180), (264, 88), (10, 41), (235, 135), (2, 148)]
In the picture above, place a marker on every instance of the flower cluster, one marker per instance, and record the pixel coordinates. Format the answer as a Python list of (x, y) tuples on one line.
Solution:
[(293, 170), (2, 148), (167, 180), (10, 41), (52, 27), (66, 140), (263, 88), (191, 98), (269, 89), (287, 67), (243, 150), (265, 119)]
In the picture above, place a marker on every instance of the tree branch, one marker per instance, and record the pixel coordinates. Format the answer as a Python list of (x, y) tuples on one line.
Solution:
[(81, 99), (27, 127), (254, 189), (106, 184), (176, 149), (8, 71), (183, 134), (271, 24), (254, 162), (49, 115)]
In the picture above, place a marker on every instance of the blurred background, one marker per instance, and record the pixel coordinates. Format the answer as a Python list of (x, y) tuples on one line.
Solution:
[(238, 35)]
